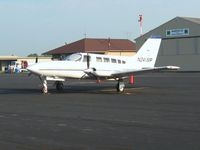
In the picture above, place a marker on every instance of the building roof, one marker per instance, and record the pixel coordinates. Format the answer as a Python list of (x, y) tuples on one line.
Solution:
[(8, 58), (194, 20), (95, 45)]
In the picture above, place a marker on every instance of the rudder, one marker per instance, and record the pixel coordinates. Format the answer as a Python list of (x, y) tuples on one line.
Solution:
[(147, 54)]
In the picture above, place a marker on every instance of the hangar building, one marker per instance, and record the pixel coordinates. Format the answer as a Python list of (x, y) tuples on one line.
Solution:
[(180, 45), (121, 47)]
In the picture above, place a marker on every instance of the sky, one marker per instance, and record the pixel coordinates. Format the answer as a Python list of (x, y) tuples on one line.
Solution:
[(37, 26)]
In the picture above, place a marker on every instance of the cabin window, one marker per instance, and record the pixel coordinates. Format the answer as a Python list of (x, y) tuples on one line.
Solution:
[(113, 60), (123, 62), (86, 57), (106, 60), (119, 61), (98, 59)]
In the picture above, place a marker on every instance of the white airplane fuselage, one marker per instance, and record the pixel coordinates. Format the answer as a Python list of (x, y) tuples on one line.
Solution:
[(100, 65), (97, 66)]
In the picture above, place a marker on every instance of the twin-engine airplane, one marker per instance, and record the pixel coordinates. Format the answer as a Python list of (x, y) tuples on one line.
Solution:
[(100, 67)]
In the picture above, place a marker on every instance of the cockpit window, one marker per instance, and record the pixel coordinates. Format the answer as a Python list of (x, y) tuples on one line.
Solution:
[(74, 57)]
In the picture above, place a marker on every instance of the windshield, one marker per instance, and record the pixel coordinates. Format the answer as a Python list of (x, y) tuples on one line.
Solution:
[(74, 57)]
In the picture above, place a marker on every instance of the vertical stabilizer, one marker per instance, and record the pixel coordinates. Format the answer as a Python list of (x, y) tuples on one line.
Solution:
[(147, 54)]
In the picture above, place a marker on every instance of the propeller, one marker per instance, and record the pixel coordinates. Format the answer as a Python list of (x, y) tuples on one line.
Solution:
[(88, 61), (36, 60), (88, 70)]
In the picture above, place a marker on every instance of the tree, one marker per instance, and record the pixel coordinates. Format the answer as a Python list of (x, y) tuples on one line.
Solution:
[(33, 55)]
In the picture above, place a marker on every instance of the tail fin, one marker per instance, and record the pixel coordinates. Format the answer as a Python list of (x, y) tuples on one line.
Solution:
[(147, 54)]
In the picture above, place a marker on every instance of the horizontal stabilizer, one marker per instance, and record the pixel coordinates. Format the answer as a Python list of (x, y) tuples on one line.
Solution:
[(146, 70)]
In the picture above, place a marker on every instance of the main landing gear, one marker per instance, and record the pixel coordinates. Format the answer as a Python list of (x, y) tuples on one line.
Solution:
[(120, 85), (59, 85)]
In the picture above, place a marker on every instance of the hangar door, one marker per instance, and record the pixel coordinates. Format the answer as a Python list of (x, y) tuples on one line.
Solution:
[(183, 52), (180, 46)]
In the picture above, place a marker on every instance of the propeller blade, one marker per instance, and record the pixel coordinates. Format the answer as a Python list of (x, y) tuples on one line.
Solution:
[(88, 61), (36, 60)]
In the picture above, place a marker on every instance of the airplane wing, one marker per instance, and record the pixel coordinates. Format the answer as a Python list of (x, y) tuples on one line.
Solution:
[(145, 70)]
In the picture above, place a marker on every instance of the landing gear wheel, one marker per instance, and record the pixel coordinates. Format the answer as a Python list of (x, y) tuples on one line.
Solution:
[(120, 86), (59, 86)]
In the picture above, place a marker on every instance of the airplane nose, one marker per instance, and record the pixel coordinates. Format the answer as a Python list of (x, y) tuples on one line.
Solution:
[(33, 68)]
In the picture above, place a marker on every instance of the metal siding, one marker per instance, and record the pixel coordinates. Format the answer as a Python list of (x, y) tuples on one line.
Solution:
[(186, 62), (197, 46), (177, 47), (161, 50), (187, 46), (169, 47), (188, 58)]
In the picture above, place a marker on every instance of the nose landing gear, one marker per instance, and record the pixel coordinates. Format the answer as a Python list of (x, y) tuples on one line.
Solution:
[(59, 85), (44, 88)]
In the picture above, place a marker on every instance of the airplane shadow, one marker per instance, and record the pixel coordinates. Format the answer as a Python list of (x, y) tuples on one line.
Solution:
[(8, 91), (69, 90)]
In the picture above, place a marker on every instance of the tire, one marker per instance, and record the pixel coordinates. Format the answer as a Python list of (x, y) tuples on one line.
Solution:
[(59, 86), (120, 86)]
